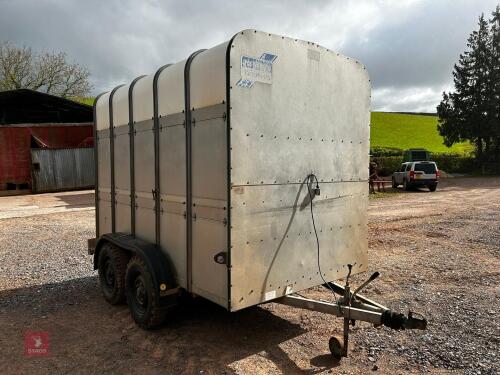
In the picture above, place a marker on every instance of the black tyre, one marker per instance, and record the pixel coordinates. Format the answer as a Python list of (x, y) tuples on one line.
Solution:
[(112, 266), (142, 295), (394, 185), (406, 185), (433, 187)]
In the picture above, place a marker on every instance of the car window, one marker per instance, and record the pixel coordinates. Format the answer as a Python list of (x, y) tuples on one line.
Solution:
[(427, 168), (403, 167), (408, 167)]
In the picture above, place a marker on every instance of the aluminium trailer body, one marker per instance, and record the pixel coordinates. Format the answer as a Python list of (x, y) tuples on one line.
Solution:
[(205, 170)]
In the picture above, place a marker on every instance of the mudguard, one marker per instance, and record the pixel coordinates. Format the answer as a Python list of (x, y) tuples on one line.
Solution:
[(157, 261)]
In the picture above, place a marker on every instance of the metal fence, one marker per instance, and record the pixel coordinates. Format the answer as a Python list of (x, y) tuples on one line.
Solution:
[(62, 169)]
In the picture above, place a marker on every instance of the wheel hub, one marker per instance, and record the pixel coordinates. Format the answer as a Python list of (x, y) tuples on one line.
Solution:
[(109, 274), (140, 291)]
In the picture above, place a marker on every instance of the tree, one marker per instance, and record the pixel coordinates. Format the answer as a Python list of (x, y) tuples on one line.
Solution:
[(51, 73), (495, 73), (471, 112)]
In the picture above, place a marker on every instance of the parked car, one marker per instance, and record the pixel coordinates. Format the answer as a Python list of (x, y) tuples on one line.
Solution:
[(417, 174)]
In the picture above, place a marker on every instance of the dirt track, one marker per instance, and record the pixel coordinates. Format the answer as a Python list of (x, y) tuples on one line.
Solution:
[(439, 254)]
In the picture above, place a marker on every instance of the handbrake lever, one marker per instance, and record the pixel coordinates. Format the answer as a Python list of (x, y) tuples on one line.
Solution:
[(372, 277)]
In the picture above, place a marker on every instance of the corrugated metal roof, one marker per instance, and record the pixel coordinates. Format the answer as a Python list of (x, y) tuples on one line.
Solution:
[(28, 106)]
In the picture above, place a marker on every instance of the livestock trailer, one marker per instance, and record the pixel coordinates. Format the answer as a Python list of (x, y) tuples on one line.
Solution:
[(239, 175)]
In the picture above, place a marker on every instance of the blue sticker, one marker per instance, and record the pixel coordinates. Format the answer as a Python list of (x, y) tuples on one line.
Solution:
[(256, 70), (268, 57)]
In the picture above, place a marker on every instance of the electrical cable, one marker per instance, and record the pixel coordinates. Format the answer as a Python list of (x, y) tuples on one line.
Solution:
[(309, 181)]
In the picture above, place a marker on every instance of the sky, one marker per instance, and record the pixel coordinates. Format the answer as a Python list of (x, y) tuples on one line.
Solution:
[(408, 46)]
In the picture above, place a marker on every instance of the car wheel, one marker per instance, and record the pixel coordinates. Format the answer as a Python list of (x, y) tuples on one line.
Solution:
[(406, 185), (433, 187), (112, 266), (394, 184), (142, 295)]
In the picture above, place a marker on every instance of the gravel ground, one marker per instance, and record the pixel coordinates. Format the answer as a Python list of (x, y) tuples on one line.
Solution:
[(438, 253)]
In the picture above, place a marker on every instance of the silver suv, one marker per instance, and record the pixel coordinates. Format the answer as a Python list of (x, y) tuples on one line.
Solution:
[(417, 173)]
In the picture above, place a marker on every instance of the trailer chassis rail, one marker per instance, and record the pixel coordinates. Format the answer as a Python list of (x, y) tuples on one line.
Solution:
[(352, 307)]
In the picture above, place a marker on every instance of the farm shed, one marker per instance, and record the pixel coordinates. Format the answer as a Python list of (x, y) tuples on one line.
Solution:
[(34, 129)]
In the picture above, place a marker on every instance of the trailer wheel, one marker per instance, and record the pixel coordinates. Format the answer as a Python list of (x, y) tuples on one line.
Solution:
[(141, 295), (336, 347), (432, 187), (112, 265)]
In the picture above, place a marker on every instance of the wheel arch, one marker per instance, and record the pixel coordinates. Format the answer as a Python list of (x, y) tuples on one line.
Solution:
[(157, 261)]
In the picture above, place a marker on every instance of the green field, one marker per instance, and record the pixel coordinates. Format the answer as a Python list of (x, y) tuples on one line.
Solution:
[(88, 101), (404, 131)]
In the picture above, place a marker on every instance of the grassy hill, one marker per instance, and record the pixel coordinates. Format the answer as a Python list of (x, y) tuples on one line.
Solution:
[(410, 131), (88, 101)]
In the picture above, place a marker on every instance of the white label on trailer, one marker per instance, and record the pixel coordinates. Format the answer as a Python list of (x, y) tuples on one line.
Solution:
[(256, 70), (270, 295)]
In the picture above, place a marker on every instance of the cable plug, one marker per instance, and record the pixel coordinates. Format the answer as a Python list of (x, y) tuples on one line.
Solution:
[(316, 189)]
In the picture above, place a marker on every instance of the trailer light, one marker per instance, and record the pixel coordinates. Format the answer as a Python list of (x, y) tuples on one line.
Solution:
[(163, 287), (412, 175)]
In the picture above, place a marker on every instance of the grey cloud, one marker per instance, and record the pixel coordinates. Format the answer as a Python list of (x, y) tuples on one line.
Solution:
[(408, 47)]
